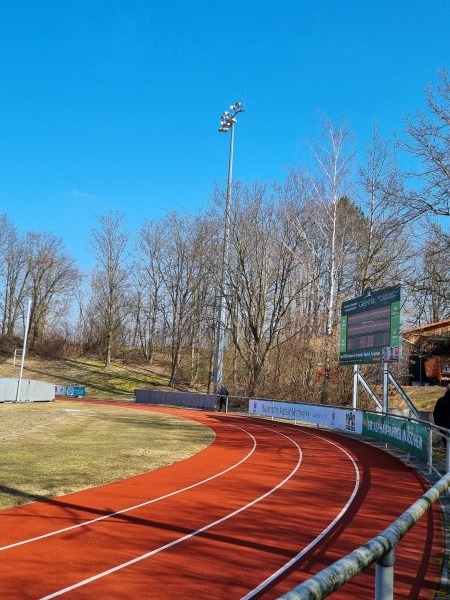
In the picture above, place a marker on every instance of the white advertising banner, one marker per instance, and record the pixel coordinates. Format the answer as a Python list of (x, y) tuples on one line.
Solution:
[(337, 418)]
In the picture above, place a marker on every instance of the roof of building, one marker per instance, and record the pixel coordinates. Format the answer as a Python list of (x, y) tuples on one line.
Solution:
[(431, 327), (432, 338)]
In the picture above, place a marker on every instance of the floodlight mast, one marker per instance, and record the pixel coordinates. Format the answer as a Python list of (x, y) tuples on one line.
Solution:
[(227, 123)]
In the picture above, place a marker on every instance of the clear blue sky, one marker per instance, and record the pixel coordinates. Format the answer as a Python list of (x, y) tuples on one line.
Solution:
[(115, 105)]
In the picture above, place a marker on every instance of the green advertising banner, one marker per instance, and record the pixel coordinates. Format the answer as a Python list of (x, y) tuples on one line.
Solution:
[(407, 436)]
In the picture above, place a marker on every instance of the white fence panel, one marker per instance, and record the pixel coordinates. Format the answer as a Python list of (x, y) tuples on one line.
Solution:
[(30, 390)]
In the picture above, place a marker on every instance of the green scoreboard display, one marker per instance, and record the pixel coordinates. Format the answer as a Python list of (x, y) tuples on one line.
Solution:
[(370, 328)]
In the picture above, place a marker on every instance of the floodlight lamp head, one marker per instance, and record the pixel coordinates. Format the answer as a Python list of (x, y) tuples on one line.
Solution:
[(227, 120)]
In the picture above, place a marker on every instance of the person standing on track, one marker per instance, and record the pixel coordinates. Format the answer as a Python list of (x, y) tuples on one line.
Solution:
[(223, 398), (441, 412)]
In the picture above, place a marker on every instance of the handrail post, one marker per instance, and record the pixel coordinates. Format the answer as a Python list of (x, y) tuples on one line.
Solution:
[(430, 450), (447, 454), (384, 576)]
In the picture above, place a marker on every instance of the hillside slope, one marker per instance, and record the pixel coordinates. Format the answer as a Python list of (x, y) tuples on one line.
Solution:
[(118, 381)]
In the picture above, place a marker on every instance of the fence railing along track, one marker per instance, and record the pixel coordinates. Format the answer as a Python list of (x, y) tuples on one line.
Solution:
[(380, 549)]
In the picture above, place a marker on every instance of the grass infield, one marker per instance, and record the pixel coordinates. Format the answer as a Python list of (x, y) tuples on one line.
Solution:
[(54, 448)]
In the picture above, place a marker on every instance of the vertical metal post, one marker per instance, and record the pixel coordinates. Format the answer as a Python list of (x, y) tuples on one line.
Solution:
[(27, 323), (385, 387), (430, 450), (384, 576), (227, 122), (220, 328), (355, 386), (447, 455)]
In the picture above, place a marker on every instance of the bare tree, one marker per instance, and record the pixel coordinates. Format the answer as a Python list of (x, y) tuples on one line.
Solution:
[(182, 273), (151, 241), (13, 252), (429, 143), (429, 282), (383, 245), (110, 277), (260, 284), (200, 338), (327, 188), (51, 278)]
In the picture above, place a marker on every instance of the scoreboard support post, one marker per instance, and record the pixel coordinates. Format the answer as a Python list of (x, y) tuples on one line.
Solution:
[(385, 387), (359, 379), (355, 386)]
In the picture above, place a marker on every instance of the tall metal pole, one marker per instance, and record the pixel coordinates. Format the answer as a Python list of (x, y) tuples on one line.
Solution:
[(27, 325), (220, 329), (228, 122)]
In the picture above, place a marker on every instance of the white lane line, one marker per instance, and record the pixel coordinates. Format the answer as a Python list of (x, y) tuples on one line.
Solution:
[(187, 536), (317, 539), (131, 508)]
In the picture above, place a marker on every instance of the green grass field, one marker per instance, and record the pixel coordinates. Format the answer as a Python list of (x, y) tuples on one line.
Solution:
[(53, 448)]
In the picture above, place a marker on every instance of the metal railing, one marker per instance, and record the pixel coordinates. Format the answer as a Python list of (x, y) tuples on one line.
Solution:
[(380, 549)]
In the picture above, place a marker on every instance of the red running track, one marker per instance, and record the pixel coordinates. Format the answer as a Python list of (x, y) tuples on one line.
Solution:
[(264, 507)]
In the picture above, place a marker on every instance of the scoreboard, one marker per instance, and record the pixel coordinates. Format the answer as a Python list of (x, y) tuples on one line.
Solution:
[(370, 327)]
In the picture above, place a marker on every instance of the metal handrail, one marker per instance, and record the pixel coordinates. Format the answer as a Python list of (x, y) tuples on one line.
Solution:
[(380, 548)]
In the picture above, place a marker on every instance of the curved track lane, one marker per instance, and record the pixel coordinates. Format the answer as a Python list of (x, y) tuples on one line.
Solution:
[(261, 509)]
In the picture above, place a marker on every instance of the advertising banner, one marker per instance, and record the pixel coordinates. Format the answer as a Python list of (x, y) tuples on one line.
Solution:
[(410, 437), (77, 391), (337, 418)]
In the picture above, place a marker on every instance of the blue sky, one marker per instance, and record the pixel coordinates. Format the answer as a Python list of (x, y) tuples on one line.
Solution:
[(115, 105)]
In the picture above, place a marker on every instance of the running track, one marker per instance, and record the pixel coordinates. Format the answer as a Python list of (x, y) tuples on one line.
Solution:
[(258, 511)]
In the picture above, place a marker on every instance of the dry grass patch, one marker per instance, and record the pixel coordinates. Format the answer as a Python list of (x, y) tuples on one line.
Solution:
[(118, 381), (54, 448)]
